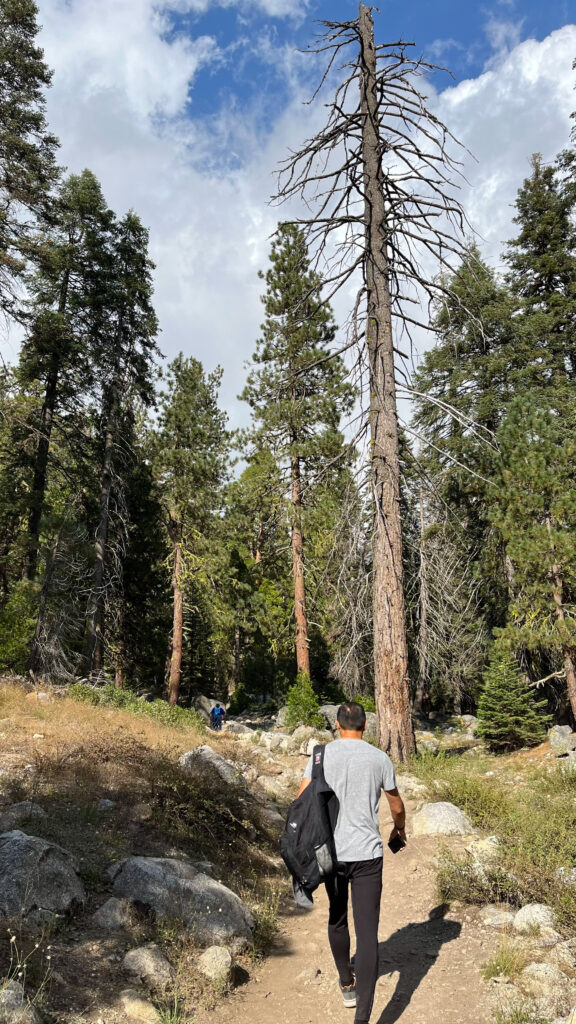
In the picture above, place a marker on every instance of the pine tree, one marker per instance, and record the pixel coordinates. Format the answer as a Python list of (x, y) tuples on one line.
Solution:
[(191, 457), (124, 352), (57, 352), (534, 508), (509, 715), (27, 149), (542, 277), (297, 393)]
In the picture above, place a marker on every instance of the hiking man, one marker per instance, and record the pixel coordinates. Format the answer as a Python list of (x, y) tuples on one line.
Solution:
[(357, 773), (217, 716)]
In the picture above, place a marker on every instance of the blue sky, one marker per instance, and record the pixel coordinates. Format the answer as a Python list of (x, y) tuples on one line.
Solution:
[(184, 109), (462, 36)]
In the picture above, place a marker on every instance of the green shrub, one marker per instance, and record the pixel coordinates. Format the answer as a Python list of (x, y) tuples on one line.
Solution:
[(508, 712), (303, 704), (367, 702)]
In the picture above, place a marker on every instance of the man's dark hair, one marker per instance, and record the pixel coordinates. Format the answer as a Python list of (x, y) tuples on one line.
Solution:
[(351, 716)]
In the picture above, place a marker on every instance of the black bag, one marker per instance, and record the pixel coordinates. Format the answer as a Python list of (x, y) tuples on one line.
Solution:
[(307, 843)]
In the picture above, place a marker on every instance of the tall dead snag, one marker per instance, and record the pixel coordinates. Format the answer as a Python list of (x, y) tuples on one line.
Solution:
[(377, 176)]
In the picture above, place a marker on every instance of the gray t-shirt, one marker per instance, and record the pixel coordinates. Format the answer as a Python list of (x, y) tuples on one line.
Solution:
[(357, 772)]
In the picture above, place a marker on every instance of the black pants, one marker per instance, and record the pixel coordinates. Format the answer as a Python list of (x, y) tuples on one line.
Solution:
[(364, 877)]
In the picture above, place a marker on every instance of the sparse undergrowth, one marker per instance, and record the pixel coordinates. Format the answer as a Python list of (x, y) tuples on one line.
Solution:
[(531, 808), (67, 755), (112, 696)]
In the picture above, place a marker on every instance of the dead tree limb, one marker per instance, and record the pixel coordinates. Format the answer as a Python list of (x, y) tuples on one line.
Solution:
[(378, 181)]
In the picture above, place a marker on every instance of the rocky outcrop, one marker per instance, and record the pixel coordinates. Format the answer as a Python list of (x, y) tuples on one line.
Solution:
[(210, 911), (36, 876), (202, 759), (441, 819)]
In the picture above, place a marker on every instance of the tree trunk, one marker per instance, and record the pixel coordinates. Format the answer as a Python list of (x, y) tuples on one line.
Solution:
[(94, 657), (392, 690), (421, 697), (119, 680), (43, 449), (567, 650), (302, 655), (35, 661), (177, 622)]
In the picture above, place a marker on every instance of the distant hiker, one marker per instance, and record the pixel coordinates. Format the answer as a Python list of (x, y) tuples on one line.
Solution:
[(357, 773), (217, 716)]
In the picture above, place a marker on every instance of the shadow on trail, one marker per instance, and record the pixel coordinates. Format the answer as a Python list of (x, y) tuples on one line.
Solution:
[(412, 951)]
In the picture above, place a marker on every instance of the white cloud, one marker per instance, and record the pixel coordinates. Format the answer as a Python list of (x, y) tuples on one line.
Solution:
[(121, 105)]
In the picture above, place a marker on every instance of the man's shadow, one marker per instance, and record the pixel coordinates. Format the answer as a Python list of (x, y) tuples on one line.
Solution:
[(412, 951)]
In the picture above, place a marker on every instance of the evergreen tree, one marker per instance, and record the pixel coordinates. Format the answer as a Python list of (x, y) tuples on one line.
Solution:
[(542, 276), (27, 149), (509, 715), (534, 508), (57, 353), (297, 393), (124, 351), (191, 454)]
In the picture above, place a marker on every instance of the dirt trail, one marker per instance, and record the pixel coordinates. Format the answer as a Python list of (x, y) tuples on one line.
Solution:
[(429, 963)]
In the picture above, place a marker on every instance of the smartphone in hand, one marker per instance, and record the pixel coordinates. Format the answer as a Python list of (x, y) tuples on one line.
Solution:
[(396, 844)]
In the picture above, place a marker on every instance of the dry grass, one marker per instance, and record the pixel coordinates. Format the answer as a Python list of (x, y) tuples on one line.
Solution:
[(83, 753)]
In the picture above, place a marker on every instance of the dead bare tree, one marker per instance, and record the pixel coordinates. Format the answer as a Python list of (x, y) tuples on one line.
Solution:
[(378, 181)]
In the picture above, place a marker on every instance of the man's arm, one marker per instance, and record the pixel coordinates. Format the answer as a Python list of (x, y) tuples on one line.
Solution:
[(305, 782), (398, 812)]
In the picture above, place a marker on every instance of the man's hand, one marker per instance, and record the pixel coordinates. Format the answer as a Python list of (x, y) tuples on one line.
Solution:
[(398, 812), (398, 832)]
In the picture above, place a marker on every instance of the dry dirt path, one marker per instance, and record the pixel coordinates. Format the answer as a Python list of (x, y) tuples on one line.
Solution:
[(429, 960)]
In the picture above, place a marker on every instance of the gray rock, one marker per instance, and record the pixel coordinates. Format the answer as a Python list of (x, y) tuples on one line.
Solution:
[(550, 989), (149, 964), (203, 758), (562, 739), (302, 734), (408, 785), (564, 956), (205, 866), (11, 816), (322, 738), (114, 915), (14, 1007), (497, 917), (282, 717), (272, 818), (281, 787), (567, 876), (216, 964), (136, 1007), (210, 911), (371, 731), (238, 729), (441, 819), (276, 740), (107, 805), (470, 723), (533, 916), (36, 876), (431, 745), (329, 711)]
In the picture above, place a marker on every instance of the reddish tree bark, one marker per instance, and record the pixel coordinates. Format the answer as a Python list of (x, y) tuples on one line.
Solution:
[(177, 620)]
